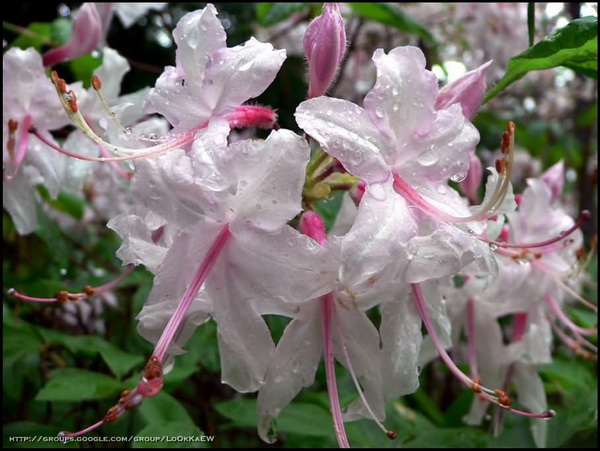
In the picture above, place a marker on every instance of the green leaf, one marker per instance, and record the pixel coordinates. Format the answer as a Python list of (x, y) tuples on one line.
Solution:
[(83, 68), (389, 14), (164, 408), (38, 436), (269, 14), (65, 202), (60, 30), (119, 361), (575, 46), (49, 232), (77, 385), (19, 342), (296, 418), (329, 208), (36, 35), (569, 373), (172, 434)]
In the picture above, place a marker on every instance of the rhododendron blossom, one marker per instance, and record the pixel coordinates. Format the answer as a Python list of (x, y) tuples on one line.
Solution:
[(368, 236)]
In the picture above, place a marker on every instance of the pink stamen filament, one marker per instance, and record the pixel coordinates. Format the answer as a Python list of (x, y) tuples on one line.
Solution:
[(574, 345), (584, 216), (83, 431), (565, 319), (334, 400), (471, 349), (176, 143), (101, 289), (484, 393), (152, 381), (557, 278), (342, 338), (176, 319)]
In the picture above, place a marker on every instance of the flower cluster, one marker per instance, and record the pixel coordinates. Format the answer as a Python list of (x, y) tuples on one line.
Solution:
[(231, 230)]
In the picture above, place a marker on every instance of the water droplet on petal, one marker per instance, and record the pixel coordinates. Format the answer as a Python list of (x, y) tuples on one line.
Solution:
[(493, 246), (246, 66), (458, 177)]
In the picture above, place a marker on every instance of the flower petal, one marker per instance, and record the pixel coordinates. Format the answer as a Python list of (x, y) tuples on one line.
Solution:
[(401, 339), (270, 177), (268, 261), (345, 131), (402, 100), (362, 342), (245, 343), (372, 250), (18, 199), (240, 73), (293, 365)]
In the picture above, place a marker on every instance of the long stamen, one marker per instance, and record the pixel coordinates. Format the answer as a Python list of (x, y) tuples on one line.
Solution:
[(584, 216), (151, 381), (497, 397), (471, 351), (97, 85), (390, 434), (489, 208), (565, 319), (192, 290), (69, 103), (334, 400), (185, 138), (64, 296), (564, 286), (574, 345)]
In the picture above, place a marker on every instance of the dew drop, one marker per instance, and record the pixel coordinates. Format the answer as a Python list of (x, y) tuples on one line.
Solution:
[(493, 246), (128, 131), (329, 113), (246, 66), (458, 177)]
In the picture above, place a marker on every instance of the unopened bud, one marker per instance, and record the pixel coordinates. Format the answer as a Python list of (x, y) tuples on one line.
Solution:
[(468, 91), (312, 225), (324, 45)]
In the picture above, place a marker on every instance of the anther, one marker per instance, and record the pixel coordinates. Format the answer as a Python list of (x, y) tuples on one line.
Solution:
[(62, 296), (476, 386), (500, 165), (153, 369), (125, 393), (12, 125), (73, 102), (391, 435), (96, 82), (89, 290), (73, 297), (505, 143), (503, 398)]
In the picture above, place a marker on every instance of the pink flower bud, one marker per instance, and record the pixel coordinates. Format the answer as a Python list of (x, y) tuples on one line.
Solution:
[(86, 35), (472, 182), (312, 225), (554, 177), (324, 45), (252, 116), (468, 90)]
